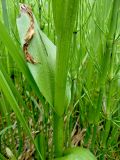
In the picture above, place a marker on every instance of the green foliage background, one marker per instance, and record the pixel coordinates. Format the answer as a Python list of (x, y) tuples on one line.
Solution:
[(76, 84)]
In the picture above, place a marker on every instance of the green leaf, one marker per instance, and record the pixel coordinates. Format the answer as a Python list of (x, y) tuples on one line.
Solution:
[(10, 154), (4, 86), (77, 154), (2, 157), (64, 30), (16, 54), (5, 129), (44, 52)]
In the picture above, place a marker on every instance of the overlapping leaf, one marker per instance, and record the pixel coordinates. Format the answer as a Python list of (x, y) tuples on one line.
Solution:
[(44, 52)]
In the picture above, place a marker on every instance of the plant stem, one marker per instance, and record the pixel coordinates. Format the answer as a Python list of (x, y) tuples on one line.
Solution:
[(108, 54), (58, 135), (93, 137), (112, 51), (64, 31)]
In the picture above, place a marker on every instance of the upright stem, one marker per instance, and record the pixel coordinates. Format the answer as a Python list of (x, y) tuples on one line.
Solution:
[(58, 135), (107, 68), (64, 13), (109, 51), (112, 51)]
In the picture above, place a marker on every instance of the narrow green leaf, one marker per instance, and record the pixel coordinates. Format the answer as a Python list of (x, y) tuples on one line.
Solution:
[(5, 129), (13, 89), (64, 29), (64, 13), (2, 157), (14, 105), (5, 13)]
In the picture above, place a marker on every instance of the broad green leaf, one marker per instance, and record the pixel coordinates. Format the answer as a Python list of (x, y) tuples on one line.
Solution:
[(16, 54), (44, 52), (77, 154)]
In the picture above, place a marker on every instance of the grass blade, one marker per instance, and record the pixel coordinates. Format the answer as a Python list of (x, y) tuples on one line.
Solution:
[(13, 103)]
